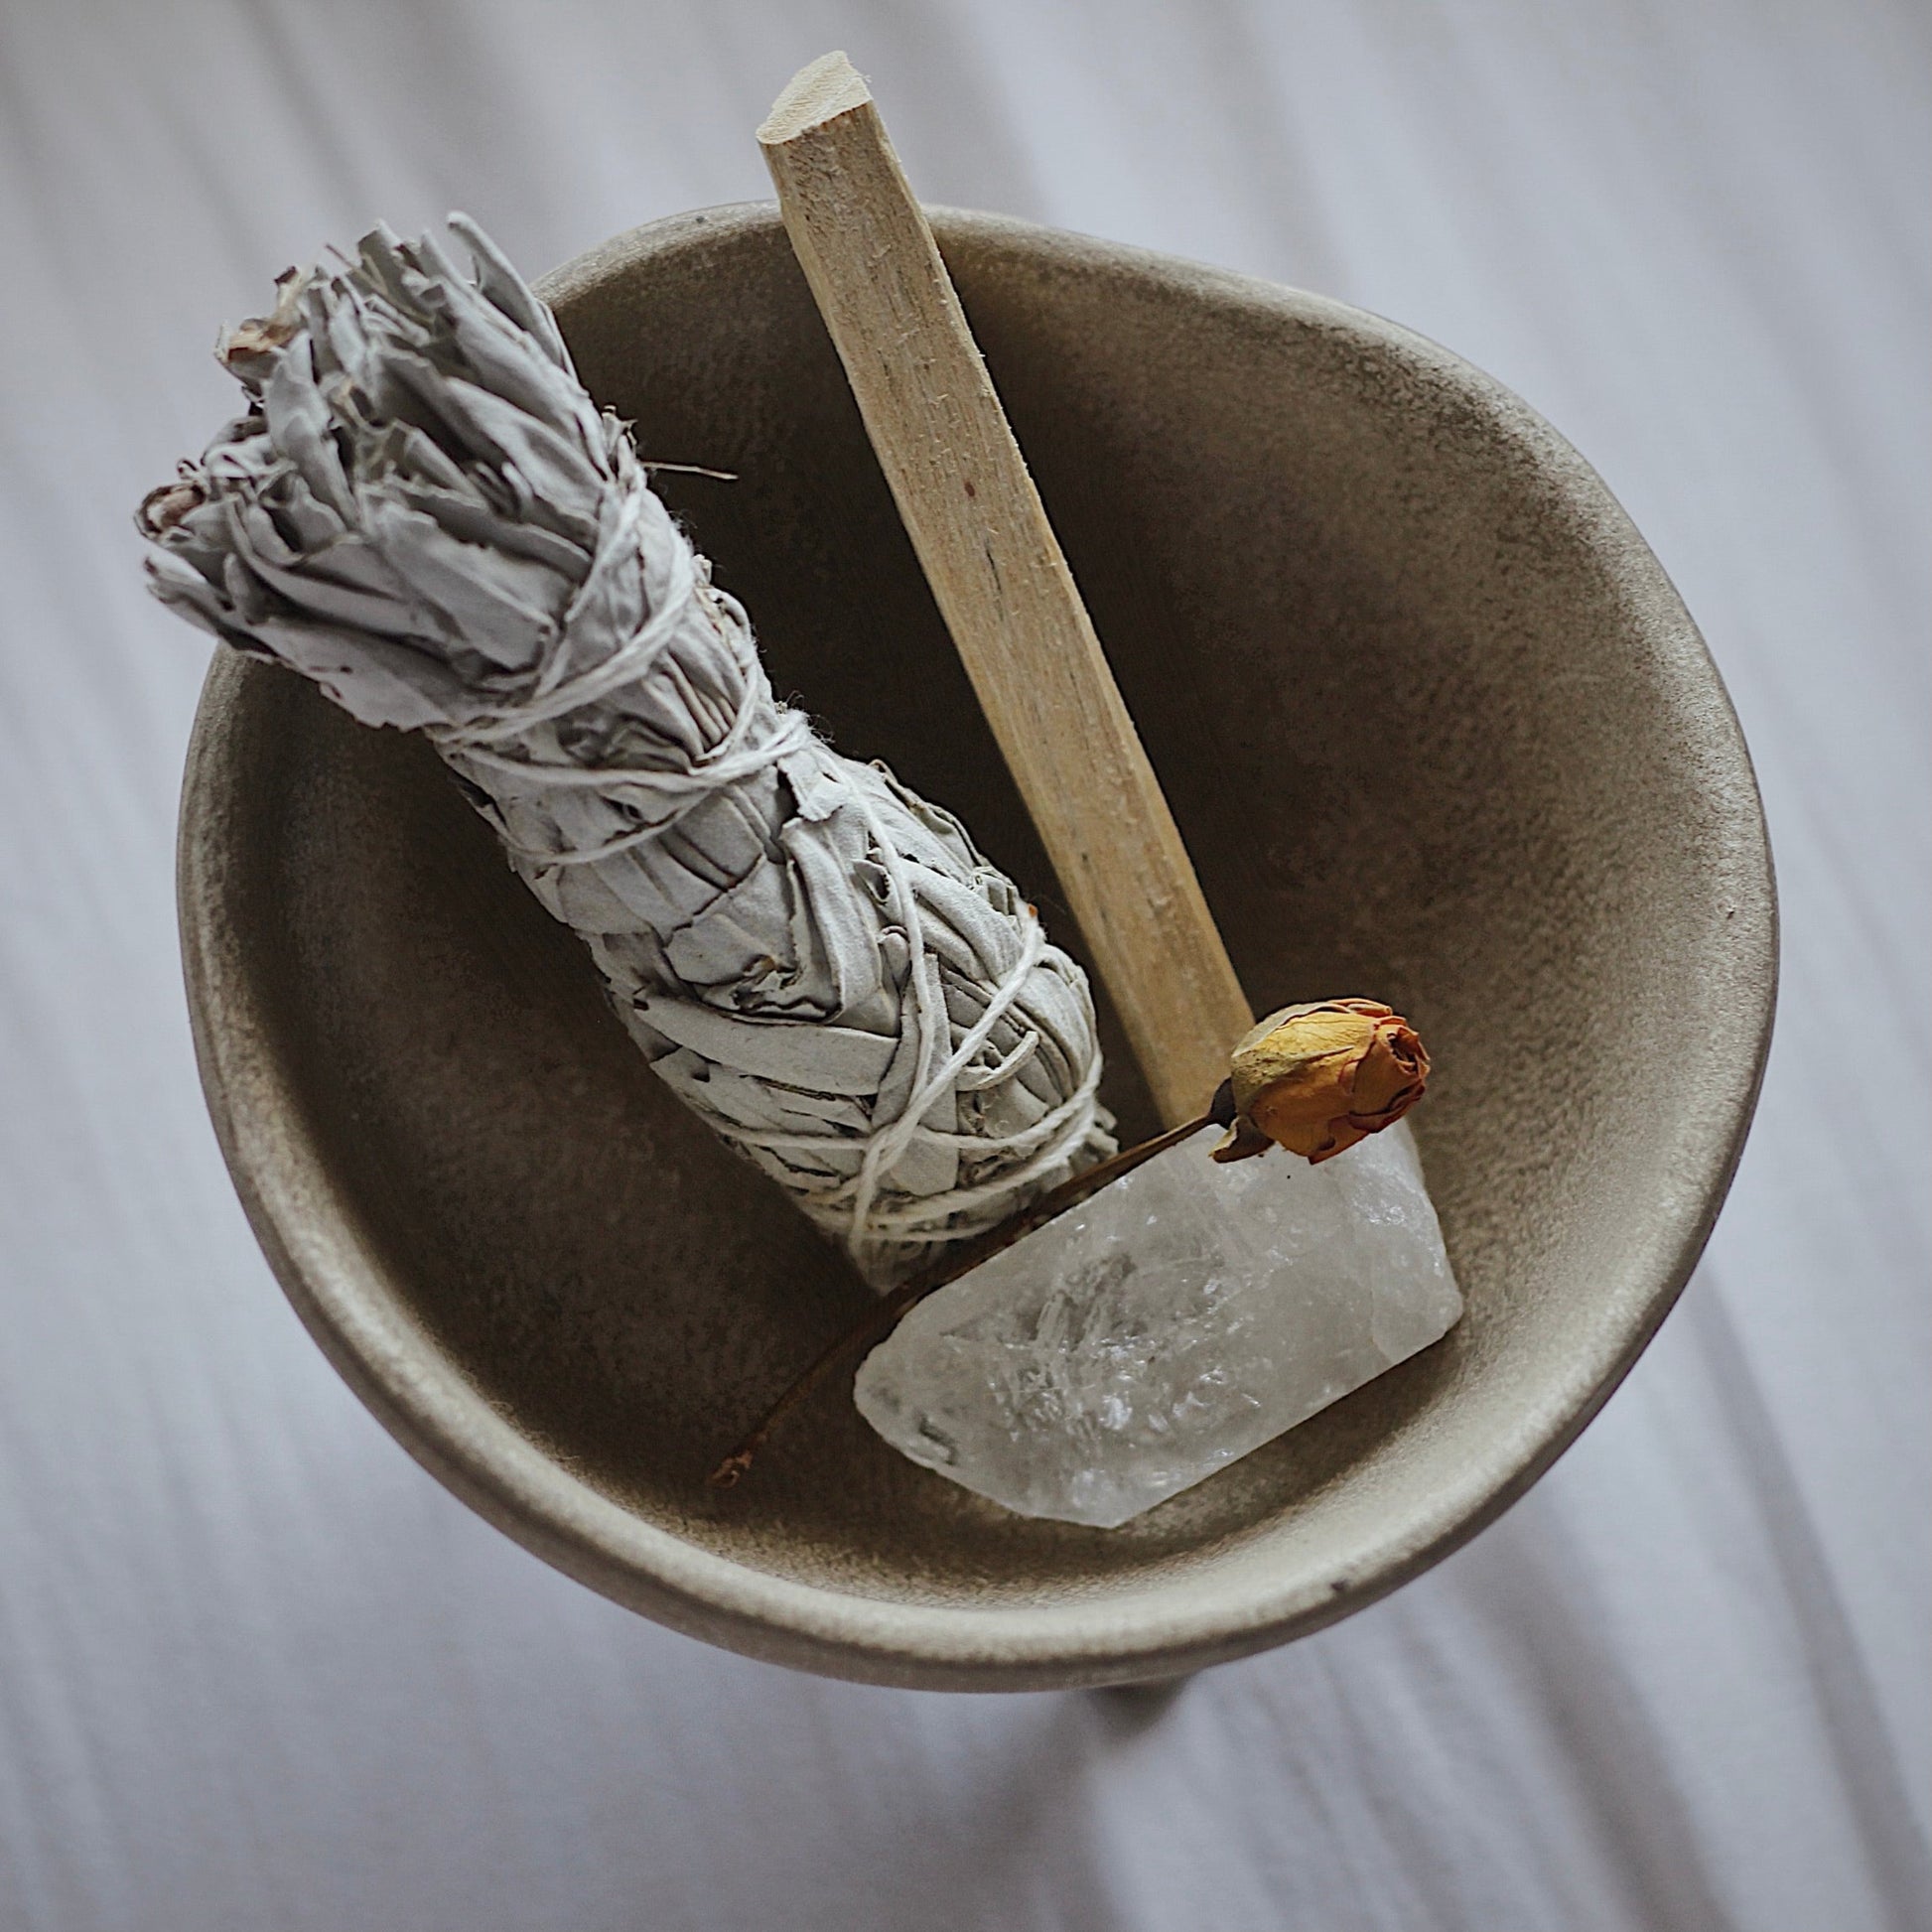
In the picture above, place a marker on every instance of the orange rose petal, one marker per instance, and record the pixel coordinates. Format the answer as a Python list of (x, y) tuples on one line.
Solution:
[(1317, 1079)]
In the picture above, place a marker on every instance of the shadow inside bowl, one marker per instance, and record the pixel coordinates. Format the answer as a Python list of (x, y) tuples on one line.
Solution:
[(1436, 730)]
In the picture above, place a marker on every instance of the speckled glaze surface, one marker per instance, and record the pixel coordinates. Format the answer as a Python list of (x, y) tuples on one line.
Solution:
[(1436, 728)]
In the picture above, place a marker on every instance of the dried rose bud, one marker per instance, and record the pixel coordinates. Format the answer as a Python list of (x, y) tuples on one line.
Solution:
[(1317, 1079)]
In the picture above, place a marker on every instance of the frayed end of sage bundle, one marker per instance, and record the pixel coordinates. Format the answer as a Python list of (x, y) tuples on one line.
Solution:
[(423, 511)]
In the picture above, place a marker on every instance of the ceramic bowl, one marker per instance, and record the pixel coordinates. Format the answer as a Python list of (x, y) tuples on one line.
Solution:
[(1435, 728)]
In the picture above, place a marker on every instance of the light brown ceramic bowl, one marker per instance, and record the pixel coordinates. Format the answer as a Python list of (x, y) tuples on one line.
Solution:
[(1436, 728)]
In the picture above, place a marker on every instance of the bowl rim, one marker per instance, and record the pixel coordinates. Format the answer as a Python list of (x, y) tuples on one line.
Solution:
[(331, 1273)]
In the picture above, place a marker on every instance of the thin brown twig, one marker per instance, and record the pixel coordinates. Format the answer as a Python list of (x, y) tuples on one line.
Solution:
[(879, 1322)]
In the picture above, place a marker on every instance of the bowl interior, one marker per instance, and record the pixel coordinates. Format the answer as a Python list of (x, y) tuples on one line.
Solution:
[(1436, 730)]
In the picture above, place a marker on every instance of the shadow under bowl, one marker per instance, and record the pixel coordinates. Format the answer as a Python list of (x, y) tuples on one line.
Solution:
[(1437, 729)]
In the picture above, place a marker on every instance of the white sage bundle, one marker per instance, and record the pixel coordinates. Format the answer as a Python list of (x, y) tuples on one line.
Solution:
[(422, 510)]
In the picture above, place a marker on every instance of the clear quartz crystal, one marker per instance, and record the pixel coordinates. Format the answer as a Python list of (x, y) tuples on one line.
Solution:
[(1185, 1315)]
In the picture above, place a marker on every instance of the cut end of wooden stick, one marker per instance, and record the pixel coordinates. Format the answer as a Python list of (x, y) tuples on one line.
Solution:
[(822, 92)]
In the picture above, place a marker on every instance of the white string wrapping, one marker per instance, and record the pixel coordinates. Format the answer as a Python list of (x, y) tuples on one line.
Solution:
[(422, 510)]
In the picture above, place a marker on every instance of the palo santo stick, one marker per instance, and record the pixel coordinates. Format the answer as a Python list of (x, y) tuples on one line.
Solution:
[(1001, 582)]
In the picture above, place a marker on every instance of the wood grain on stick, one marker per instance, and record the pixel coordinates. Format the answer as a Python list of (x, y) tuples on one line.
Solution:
[(1002, 583)]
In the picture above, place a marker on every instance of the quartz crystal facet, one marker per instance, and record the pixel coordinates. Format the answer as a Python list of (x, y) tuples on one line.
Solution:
[(1185, 1315)]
